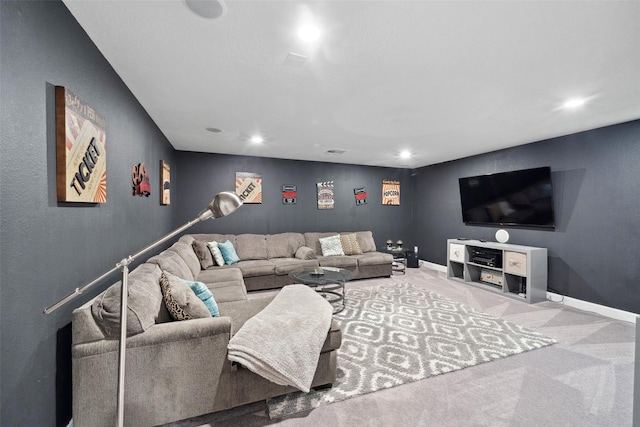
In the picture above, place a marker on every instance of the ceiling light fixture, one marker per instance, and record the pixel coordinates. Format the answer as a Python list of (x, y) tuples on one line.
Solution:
[(214, 130), (574, 103), (405, 154), (257, 139), (309, 33)]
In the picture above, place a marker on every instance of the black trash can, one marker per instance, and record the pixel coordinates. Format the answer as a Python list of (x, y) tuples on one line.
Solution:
[(413, 260)]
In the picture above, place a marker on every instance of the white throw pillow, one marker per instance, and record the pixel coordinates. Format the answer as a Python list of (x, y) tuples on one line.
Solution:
[(215, 252), (331, 245)]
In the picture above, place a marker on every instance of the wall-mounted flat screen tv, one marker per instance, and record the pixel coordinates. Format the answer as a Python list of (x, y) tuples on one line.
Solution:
[(521, 198)]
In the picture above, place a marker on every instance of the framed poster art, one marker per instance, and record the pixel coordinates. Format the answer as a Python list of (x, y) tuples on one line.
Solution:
[(360, 195), (81, 156), (165, 183), (249, 187), (289, 194), (325, 195), (391, 192)]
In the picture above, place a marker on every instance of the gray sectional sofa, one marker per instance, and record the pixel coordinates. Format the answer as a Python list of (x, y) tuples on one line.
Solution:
[(180, 369), (267, 259)]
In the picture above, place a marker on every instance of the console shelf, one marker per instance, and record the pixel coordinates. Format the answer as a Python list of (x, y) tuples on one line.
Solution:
[(518, 272)]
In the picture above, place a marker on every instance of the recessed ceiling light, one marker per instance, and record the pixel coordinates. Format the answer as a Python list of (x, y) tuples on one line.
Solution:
[(257, 139), (210, 9), (574, 103), (214, 130), (405, 154), (309, 33)]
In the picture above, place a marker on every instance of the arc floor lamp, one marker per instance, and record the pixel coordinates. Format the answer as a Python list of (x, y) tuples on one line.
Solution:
[(223, 204)]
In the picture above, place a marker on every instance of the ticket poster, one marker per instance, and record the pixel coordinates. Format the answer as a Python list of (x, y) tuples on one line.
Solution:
[(81, 157), (325, 195), (165, 183), (390, 192), (249, 187)]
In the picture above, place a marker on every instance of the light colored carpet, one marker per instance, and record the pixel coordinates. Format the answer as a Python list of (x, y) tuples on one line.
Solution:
[(585, 380), (397, 333)]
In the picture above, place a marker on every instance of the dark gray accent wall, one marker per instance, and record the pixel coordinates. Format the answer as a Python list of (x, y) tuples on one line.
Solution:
[(201, 176), (47, 249), (594, 251)]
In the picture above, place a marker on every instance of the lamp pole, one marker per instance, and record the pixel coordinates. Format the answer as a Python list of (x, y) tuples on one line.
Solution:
[(222, 205)]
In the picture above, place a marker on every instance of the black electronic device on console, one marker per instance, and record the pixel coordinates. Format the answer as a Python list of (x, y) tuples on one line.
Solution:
[(486, 256)]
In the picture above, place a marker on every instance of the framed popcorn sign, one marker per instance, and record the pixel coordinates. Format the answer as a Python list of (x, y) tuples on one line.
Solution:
[(390, 192), (81, 157)]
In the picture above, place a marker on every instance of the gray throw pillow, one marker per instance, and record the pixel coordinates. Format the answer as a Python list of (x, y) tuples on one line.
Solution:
[(181, 302), (203, 253)]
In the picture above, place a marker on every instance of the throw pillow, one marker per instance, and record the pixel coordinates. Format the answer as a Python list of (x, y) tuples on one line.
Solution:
[(202, 292), (304, 253), (215, 252), (203, 253), (181, 302), (228, 252), (350, 244), (331, 245)]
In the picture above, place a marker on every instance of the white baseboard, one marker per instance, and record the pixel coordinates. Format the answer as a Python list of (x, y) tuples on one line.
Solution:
[(603, 310)]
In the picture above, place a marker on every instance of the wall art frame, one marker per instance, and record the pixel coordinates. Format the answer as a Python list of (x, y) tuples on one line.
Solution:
[(390, 192), (249, 187), (81, 155), (165, 183)]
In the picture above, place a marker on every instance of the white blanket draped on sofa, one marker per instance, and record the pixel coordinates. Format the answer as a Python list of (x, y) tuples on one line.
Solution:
[(282, 343)]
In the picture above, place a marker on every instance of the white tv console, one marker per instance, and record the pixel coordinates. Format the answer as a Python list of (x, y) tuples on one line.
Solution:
[(522, 275)]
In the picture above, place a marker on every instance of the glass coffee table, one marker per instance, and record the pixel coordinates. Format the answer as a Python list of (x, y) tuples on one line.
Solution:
[(327, 281)]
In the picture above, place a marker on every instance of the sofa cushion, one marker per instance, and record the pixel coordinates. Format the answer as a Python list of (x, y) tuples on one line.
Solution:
[(305, 253), (226, 283), (312, 240), (181, 302), (251, 246), (188, 255), (203, 253), (256, 267), (285, 266), (228, 252), (338, 261), (331, 246), (283, 245), (365, 241), (374, 258), (144, 303), (214, 249), (350, 244), (171, 262)]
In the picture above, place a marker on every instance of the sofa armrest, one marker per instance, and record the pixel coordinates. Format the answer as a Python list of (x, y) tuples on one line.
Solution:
[(305, 252), (165, 366)]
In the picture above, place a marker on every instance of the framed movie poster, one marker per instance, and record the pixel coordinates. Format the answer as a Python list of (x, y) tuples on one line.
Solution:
[(165, 183), (249, 187), (390, 192), (289, 194), (360, 195), (81, 156), (325, 195)]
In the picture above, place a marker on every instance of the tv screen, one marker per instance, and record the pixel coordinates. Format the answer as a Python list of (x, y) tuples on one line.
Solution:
[(521, 198)]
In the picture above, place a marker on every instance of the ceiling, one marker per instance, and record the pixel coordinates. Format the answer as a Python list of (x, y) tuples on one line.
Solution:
[(440, 79)]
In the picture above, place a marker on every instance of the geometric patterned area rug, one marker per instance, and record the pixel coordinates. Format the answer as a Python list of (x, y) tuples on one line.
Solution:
[(396, 333)]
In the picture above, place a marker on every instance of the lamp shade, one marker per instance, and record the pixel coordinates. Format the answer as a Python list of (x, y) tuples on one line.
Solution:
[(223, 204)]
